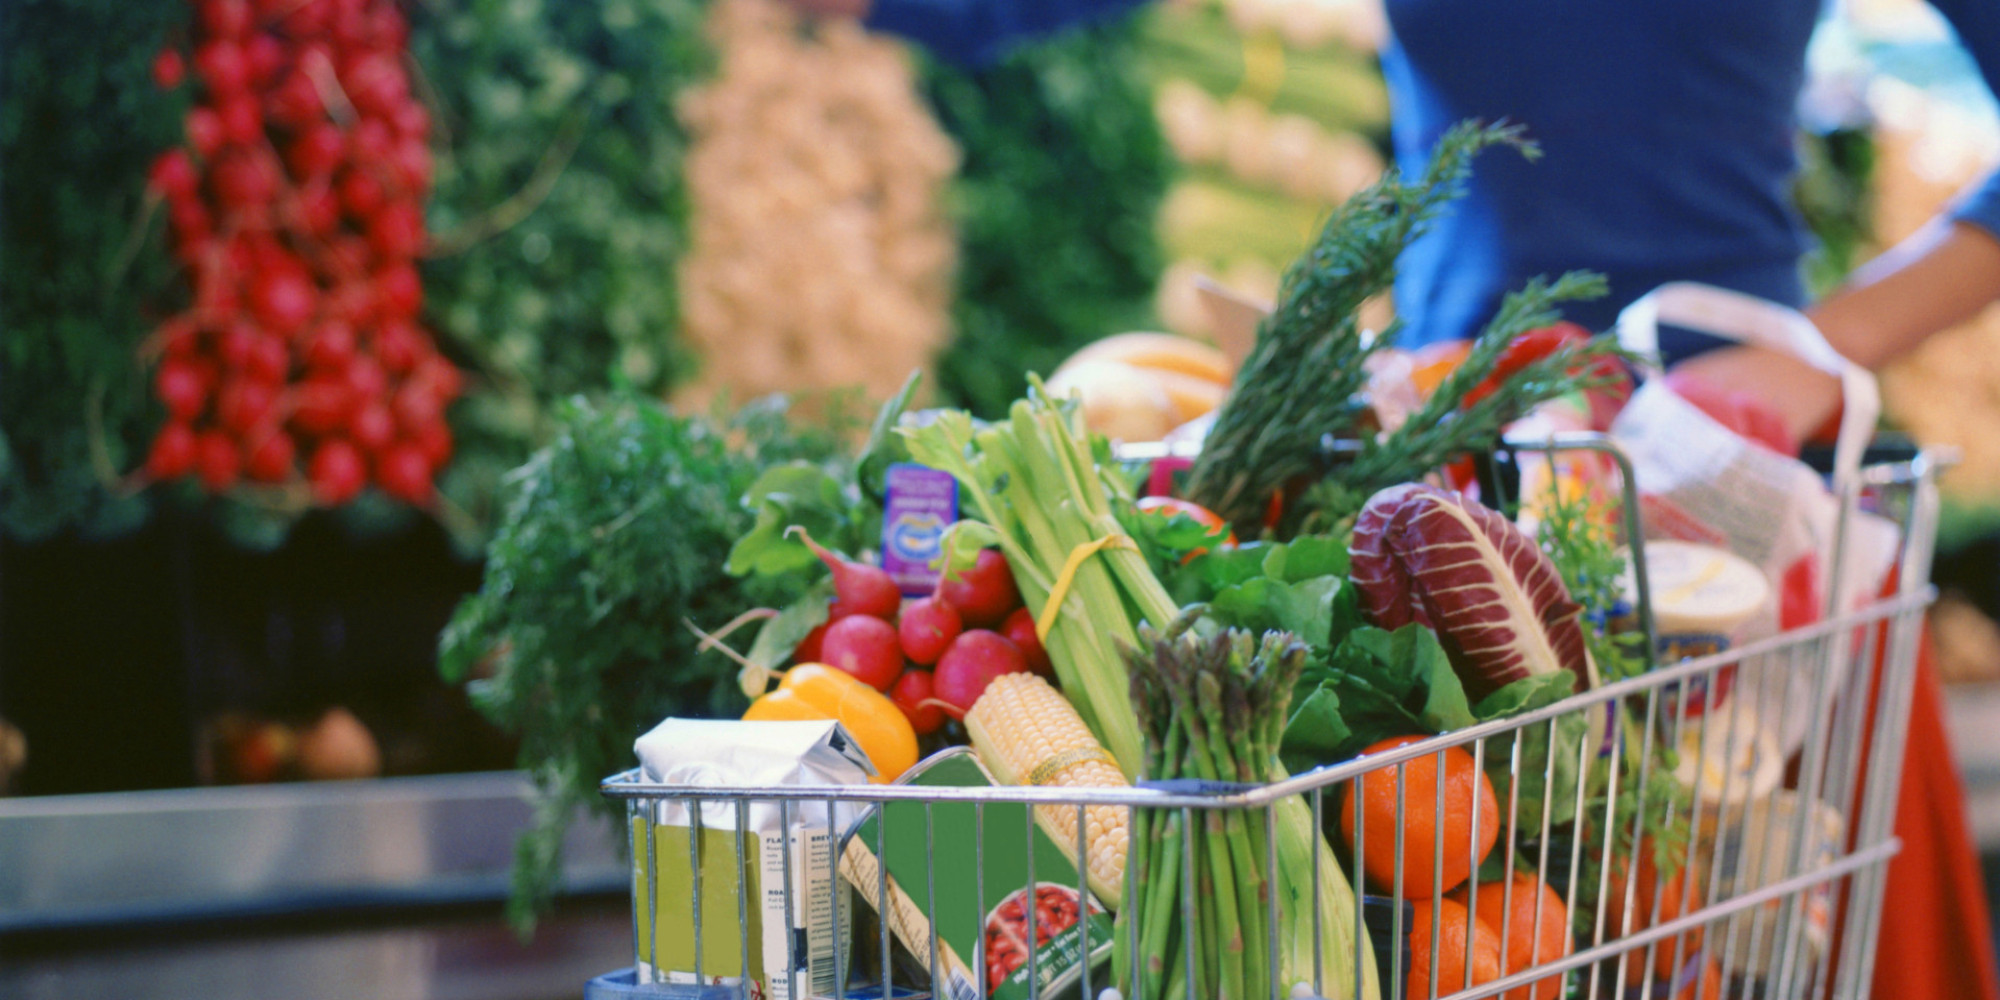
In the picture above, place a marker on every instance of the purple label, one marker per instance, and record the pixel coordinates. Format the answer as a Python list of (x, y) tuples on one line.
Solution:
[(922, 503)]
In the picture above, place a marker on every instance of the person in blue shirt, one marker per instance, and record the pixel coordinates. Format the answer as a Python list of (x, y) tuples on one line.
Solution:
[(1667, 137)]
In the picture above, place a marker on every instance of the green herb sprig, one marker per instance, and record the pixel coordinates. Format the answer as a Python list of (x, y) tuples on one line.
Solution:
[(613, 536), (1304, 375)]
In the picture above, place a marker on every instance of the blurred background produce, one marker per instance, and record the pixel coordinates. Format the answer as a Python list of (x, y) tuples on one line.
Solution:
[(592, 208)]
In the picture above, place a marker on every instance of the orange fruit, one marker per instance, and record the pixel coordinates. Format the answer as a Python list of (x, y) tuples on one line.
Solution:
[(1452, 951), (1521, 948), (1650, 890), (1465, 789)]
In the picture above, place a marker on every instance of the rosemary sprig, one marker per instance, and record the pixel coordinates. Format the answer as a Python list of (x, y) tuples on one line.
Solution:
[(1303, 378), (1446, 427)]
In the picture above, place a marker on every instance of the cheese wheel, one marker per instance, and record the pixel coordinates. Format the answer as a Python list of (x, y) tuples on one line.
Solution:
[(1699, 589)]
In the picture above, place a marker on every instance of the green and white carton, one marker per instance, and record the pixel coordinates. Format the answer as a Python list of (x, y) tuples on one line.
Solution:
[(744, 916), (982, 860)]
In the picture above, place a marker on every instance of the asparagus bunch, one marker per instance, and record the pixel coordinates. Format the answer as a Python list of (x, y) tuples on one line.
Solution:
[(1212, 710)]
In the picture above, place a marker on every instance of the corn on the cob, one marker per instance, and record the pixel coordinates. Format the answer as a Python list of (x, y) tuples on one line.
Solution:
[(1027, 734)]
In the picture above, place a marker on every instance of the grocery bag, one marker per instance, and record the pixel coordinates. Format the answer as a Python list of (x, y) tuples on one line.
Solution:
[(1699, 481)]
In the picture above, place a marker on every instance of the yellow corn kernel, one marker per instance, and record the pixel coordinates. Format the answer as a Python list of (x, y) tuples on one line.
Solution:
[(1027, 734)]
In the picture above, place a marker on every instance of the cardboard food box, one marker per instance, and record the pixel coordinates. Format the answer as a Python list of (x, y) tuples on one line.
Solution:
[(996, 873), (718, 879)]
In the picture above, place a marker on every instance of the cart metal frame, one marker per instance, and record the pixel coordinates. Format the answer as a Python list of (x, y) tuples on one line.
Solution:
[(1802, 924)]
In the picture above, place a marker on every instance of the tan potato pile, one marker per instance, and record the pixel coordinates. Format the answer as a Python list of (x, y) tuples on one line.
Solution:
[(1276, 151), (821, 257), (1947, 391)]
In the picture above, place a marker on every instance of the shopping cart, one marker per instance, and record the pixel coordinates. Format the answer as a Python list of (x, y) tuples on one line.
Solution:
[(1783, 851)]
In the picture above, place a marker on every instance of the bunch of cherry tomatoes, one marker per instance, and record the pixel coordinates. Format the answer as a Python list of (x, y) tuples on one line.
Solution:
[(296, 213)]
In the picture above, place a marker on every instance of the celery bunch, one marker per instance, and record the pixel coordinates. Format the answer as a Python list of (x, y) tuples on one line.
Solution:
[(1032, 486)]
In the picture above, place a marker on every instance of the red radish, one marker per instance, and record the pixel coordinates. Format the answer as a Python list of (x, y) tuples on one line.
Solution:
[(242, 122), (371, 141), (1019, 628), (183, 387), (222, 66), (169, 69), (913, 694), (173, 452), (181, 343), (809, 648), (295, 101), (190, 219), (858, 588), (415, 408), (204, 131), (216, 461), (411, 120), (441, 375), (927, 628), (969, 665), (413, 164), (319, 209), (336, 472), (269, 360), (397, 343), (866, 647), (225, 18), (317, 151), (323, 404), (983, 594), (366, 379), (405, 474), (266, 56), (396, 230), (244, 403), (172, 175), (284, 299), (399, 290), (235, 343), (331, 346), (360, 193), (372, 427), (271, 460), (435, 442), (241, 182)]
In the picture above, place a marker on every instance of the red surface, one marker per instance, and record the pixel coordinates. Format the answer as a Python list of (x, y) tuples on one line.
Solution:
[(1936, 939)]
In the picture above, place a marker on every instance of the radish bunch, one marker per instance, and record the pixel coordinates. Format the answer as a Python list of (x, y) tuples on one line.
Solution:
[(296, 213), (932, 656)]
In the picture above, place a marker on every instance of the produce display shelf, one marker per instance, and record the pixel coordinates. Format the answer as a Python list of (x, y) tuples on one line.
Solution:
[(136, 857)]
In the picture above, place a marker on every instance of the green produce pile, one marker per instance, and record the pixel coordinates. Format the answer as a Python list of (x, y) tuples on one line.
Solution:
[(80, 258), (612, 541), (559, 211), (1062, 175)]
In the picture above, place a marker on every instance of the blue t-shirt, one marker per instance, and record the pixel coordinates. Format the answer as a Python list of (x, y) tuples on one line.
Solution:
[(1666, 129), (1667, 134)]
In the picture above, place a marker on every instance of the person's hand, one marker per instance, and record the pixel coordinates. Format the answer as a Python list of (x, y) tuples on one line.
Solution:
[(831, 8), (1804, 396)]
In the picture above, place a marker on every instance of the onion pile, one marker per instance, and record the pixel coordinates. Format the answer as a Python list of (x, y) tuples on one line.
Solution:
[(296, 214), (820, 256)]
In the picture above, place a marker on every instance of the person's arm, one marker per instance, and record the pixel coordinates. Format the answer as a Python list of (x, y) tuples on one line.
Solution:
[(968, 32), (1939, 277)]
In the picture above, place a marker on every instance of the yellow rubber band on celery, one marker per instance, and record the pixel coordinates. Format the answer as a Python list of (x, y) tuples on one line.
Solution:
[(1060, 589)]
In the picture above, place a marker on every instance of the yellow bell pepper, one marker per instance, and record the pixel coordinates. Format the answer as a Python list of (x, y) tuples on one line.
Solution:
[(816, 691)]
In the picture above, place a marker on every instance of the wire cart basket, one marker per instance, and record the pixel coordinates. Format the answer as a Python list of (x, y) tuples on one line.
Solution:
[(1775, 888)]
